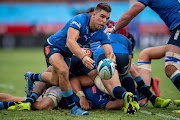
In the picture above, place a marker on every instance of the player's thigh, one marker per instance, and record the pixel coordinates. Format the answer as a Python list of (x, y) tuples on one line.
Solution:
[(113, 82), (152, 53), (58, 62)]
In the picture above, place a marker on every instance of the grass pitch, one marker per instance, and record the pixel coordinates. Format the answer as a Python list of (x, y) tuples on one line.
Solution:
[(14, 63)]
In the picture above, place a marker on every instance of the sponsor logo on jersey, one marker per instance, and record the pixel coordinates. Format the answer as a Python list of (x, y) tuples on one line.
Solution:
[(94, 90), (87, 51), (77, 24)]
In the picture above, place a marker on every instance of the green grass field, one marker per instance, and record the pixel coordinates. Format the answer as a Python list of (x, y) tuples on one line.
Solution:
[(14, 63)]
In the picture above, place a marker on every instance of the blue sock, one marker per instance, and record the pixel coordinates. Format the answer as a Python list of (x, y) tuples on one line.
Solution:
[(145, 90), (32, 98), (118, 92), (68, 97), (128, 83), (176, 81), (8, 104), (36, 77)]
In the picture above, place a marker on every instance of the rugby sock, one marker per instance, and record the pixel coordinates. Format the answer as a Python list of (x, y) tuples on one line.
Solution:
[(36, 77), (7, 104), (144, 89), (118, 92), (128, 83), (68, 97), (32, 98), (151, 82), (176, 81)]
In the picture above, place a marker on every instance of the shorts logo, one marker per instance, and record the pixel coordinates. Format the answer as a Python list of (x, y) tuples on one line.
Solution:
[(94, 90), (87, 51), (176, 35), (47, 50)]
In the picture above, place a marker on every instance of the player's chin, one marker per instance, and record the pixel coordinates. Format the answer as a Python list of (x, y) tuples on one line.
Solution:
[(100, 27)]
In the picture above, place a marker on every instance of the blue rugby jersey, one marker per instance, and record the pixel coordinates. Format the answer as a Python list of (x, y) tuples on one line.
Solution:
[(120, 44), (96, 97), (168, 10), (81, 23)]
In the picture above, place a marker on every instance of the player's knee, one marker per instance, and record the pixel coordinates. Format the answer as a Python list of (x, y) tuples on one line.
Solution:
[(169, 70), (171, 63), (63, 71), (144, 55)]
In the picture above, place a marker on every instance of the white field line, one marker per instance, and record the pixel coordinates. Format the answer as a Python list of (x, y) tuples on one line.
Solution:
[(6, 86), (160, 115)]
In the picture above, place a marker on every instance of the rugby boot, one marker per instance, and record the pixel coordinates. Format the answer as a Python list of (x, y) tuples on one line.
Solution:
[(20, 106), (176, 102), (161, 103), (136, 105), (155, 86), (129, 103), (29, 84), (78, 111)]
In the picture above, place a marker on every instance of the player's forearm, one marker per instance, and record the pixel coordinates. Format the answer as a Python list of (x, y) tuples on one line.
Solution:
[(129, 15), (108, 51), (74, 48)]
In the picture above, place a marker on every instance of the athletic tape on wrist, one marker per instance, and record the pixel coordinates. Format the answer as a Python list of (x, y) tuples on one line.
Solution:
[(80, 94)]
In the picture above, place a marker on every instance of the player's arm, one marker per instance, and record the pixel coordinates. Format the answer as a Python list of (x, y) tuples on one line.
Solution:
[(10, 98), (126, 18), (118, 104), (73, 46), (76, 83), (109, 52)]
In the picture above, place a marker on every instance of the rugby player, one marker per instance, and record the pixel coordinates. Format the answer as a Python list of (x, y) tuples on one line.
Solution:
[(171, 17)]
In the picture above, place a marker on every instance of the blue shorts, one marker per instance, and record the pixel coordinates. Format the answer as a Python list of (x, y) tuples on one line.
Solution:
[(175, 36), (51, 49), (77, 68), (122, 61)]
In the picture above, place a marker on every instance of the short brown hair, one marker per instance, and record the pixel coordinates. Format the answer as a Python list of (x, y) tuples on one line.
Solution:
[(103, 6)]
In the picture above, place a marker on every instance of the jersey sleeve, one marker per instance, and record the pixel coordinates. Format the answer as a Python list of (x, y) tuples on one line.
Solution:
[(78, 21), (104, 38), (145, 2)]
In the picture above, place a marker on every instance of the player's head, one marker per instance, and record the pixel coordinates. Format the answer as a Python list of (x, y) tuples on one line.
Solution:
[(101, 15)]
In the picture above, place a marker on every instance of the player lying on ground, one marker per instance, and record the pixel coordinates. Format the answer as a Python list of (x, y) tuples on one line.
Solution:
[(53, 99)]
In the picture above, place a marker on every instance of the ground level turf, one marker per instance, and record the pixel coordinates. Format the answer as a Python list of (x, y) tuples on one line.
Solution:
[(14, 63)]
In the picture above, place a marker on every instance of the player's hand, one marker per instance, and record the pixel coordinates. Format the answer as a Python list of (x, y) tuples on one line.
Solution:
[(109, 30), (88, 62), (84, 103)]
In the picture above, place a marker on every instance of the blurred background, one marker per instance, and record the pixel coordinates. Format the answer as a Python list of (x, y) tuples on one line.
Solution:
[(28, 23)]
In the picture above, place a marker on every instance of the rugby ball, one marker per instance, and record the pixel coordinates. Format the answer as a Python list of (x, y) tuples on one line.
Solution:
[(106, 69)]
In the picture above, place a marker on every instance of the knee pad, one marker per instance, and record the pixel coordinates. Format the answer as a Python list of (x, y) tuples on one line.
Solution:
[(100, 85), (172, 59), (144, 65), (54, 93)]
